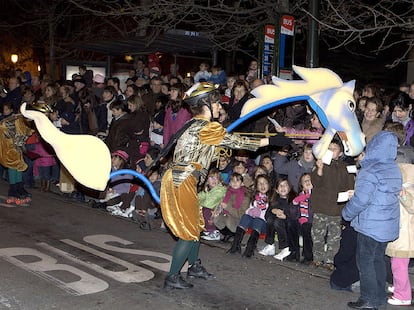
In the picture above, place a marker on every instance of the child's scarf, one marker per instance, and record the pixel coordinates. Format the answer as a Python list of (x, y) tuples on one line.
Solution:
[(239, 196)]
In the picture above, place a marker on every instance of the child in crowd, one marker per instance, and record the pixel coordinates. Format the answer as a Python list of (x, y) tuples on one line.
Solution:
[(45, 166), (137, 192), (254, 217), (374, 212), (156, 130), (259, 169), (143, 163), (225, 168), (118, 187), (144, 206), (209, 199), (203, 75), (304, 219), (294, 168), (266, 161), (244, 156), (218, 76), (117, 135), (241, 168), (328, 180), (276, 220), (402, 113), (251, 73), (234, 205), (402, 249), (228, 92), (7, 110)]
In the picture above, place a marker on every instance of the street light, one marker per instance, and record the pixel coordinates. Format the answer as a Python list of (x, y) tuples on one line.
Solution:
[(14, 58)]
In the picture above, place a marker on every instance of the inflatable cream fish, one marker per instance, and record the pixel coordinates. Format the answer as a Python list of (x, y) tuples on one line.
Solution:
[(86, 157)]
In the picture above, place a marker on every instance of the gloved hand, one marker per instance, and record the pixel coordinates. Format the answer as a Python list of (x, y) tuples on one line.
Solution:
[(280, 140)]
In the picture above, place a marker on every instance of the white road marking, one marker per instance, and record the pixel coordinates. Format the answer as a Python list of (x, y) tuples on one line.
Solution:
[(102, 240), (132, 274), (87, 284)]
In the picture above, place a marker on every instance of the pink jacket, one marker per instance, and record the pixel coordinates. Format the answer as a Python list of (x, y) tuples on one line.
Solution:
[(46, 157)]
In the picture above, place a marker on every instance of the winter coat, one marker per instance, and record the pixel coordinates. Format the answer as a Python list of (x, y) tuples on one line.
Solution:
[(231, 217), (409, 127), (281, 204), (118, 135), (325, 191), (212, 198), (202, 75), (403, 247), (374, 208), (137, 129), (294, 169), (174, 122), (219, 78)]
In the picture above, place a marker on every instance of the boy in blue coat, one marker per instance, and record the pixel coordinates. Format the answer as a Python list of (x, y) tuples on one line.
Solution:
[(374, 214)]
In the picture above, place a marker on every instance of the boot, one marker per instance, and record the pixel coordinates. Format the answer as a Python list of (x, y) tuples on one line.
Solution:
[(42, 185), (47, 186), (12, 195), (197, 270), (293, 256), (176, 281), (22, 191), (236, 245), (251, 244)]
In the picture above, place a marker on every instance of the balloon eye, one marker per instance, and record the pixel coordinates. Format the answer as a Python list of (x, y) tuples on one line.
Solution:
[(351, 105)]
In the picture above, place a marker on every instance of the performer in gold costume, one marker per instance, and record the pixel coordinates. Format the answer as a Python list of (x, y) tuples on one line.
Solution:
[(14, 131), (194, 151)]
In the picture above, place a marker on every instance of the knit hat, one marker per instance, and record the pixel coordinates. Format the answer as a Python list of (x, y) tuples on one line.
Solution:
[(99, 78), (124, 155), (155, 70)]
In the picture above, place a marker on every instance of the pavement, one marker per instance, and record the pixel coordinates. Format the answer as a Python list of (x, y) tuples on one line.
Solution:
[(61, 254)]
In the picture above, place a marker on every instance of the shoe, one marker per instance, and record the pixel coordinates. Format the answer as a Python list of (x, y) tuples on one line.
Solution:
[(212, 236), (196, 270), (282, 254), (329, 266), (117, 212), (398, 302), (316, 263), (128, 212), (356, 287), (293, 256), (306, 262), (114, 207), (176, 281), (268, 250), (390, 289), (360, 304), (226, 238)]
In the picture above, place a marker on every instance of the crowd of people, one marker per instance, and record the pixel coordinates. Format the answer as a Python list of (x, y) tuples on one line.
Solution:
[(279, 193)]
